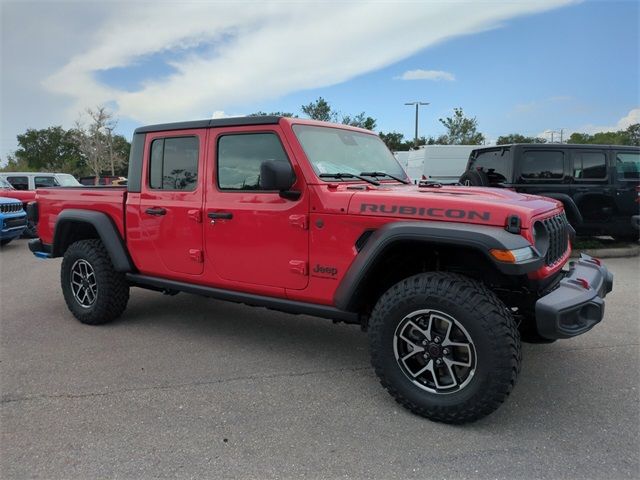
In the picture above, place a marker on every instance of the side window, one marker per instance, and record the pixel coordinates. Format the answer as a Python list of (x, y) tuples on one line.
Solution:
[(240, 157), (174, 163), (628, 165), (589, 165), (44, 182), (542, 165), (493, 163), (19, 183)]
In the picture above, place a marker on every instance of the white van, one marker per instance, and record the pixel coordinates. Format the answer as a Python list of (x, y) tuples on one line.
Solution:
[(439, 163)]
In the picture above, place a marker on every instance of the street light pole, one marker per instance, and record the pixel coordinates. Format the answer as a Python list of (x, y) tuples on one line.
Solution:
[(417, 104)]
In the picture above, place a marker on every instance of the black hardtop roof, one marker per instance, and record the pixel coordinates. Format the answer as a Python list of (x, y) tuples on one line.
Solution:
[(554, 145), (214, 122)]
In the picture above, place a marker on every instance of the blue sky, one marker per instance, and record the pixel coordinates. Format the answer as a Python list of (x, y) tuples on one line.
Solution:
[(573, 67), (518, 66)]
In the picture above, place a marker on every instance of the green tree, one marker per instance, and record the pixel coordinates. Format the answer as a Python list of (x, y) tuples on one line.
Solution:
[(361, 120), (460, 130), (51, 149), (394, 141), (517, 138), (15, 165), (320, 110), (630, 136)]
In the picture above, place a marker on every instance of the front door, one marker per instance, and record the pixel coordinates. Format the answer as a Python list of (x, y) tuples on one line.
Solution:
[(254, 237), (170, 234)]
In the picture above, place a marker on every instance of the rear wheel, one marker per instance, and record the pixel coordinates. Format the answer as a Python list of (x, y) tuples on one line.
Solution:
[(445, 347), (94, 292), (4, 241)]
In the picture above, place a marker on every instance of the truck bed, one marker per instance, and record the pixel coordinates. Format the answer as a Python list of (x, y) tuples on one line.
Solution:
[(51, 201)]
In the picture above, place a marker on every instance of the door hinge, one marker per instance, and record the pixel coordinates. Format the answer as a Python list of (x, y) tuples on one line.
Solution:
[(196, 255), (195, 215), (298, 266), (299, 221)]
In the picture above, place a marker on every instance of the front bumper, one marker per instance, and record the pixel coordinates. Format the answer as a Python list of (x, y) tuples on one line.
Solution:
[(12, 225), (577, 305)]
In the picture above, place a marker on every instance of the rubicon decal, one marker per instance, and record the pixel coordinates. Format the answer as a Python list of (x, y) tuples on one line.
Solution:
[(453, 213)]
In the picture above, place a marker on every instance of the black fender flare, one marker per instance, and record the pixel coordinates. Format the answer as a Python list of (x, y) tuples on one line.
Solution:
[(573, 212), (104, 226), (478, 237)]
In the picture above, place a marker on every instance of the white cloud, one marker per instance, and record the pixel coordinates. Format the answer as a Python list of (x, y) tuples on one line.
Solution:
[(225, 55), (262, 50), (427, 75), (622, 124)]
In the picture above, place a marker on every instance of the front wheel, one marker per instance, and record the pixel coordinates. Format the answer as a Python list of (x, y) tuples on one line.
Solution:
[(445, 347), (94, 292)]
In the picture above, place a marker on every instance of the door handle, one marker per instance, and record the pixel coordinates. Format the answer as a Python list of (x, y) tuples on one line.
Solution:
[(220, 215), (156, 211)]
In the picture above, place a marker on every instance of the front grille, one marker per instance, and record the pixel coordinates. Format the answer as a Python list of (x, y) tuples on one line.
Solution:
[(10, 207), (558, 229)]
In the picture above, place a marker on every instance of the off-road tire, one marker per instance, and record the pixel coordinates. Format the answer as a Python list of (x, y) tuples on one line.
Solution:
[(112, 287), (489, 324)]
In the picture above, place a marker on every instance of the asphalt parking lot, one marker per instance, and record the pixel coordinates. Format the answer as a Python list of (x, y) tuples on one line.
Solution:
[(191, 387)]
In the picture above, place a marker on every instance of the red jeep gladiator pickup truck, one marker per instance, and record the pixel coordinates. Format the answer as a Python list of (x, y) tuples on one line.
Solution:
[(319, 219)]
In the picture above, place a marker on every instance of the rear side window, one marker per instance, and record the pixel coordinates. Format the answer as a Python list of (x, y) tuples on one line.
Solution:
[(174, 164), (44, 182), (19, 183), (542, 165), (492, 162), (240, 157), (589, 165), (628, 165)]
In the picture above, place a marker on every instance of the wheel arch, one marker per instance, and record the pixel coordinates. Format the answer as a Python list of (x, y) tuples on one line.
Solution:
[(74, 224), (402, 249)]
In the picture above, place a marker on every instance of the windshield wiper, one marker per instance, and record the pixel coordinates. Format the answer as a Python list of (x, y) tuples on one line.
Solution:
[(385, 174), (340, 176)]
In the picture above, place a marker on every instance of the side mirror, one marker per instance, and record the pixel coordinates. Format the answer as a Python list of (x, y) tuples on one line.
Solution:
[(276, 175)]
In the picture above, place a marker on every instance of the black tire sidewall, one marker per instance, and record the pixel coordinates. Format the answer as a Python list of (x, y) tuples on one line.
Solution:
[(109, 282)]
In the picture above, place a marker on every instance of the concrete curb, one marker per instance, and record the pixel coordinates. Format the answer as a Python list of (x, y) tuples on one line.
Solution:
[(623, 252)]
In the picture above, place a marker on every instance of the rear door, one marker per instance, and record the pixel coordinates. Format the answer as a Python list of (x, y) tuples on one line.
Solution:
[(591, 190), (627, 179), (169, 238)]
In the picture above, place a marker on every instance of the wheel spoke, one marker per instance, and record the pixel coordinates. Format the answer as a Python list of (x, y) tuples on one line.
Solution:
[(424, 333), (448, 363)]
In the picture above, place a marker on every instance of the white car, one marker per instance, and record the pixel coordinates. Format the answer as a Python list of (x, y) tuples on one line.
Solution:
[(33, 180)]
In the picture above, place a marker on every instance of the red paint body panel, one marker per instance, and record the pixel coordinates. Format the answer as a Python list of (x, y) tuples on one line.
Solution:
[(25, 196), (274, 246), (51, 201)]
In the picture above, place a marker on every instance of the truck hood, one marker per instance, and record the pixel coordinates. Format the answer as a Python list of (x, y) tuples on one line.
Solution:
[(484, 206)]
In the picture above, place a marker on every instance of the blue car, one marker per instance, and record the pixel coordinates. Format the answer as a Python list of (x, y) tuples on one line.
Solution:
[(13, 219)]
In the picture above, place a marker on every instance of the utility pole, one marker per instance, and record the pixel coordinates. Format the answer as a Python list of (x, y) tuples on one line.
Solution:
[(417, 104)]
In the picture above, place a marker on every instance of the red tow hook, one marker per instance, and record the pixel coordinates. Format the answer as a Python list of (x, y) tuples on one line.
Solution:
[(584, 283)]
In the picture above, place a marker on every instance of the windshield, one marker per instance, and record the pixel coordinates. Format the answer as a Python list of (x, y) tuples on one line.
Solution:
[(334, 150), (67, 180), (5, 184)]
